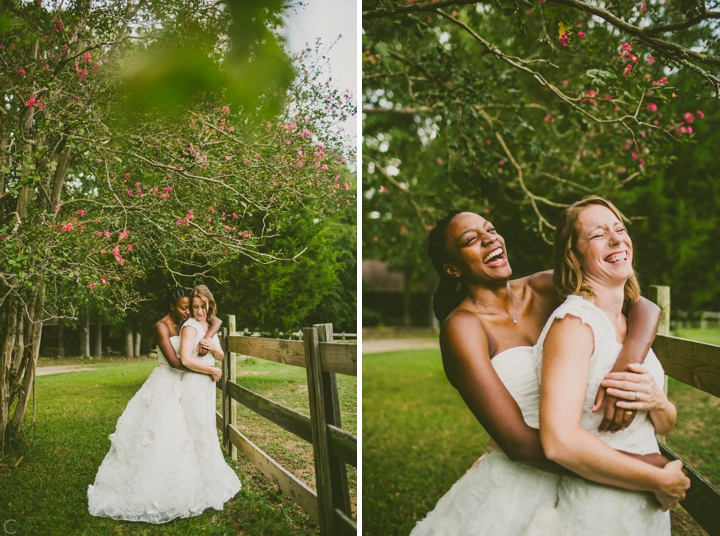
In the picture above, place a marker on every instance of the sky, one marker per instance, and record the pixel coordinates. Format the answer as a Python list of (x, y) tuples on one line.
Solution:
[(327, 19)]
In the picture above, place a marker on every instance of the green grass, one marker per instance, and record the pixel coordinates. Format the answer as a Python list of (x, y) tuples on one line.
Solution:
[(47, 492), (419, 438)]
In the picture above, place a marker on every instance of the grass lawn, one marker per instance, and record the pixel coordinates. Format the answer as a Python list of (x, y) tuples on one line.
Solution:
[(47, 492), (419, 437)]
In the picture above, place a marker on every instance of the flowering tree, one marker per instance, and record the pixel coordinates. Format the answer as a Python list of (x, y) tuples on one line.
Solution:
[(519, 108), (95, 191)]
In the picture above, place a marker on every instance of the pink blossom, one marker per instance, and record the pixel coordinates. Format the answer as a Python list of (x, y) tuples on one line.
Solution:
[(305, 134), (404, 230), (67, 227), (700, 114), (167, 189), (129, 192), (642, 133), (107, 234), (99, 234), (383, 190), (235, 216), (650, 60), (228, 158), (129, 247), (652, 107), (21, 72), (581, 34), (178, 223), (627, 70), (164, 196), (324, 168), (30, 102), (256, 156), (634, 156), (245, 160), (225, 109), (563, 39), (92, 286), (689, 130), (688, 117), (103, 281), (347, 186), (123, 236), (80, 212), (642, 161), (102, 251)]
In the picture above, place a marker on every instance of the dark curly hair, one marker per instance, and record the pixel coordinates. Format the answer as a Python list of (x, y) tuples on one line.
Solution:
[(175, 293), (447, 296)]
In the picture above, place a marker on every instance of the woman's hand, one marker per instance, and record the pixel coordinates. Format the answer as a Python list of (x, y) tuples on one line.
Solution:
[(635, 390), (675, 485), (216, 374), (210, 345)]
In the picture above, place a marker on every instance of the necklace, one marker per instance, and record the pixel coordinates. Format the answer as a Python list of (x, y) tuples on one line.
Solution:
[(496, 310)]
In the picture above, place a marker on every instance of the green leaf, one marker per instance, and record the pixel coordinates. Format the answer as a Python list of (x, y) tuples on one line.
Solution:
[(551, 12), (381, 48)]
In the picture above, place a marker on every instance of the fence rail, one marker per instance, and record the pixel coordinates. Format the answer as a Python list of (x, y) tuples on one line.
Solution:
[(696, 364), (333, 447)]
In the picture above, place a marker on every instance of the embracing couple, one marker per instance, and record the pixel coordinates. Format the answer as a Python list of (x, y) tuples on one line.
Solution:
[(566, 386), (165, 460)]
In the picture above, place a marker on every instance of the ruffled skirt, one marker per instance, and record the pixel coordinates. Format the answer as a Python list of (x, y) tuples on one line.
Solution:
[(496, 497), (151, 472)]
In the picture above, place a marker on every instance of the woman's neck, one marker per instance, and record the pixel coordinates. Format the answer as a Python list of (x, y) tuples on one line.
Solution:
[(498, 296), (610, 299)]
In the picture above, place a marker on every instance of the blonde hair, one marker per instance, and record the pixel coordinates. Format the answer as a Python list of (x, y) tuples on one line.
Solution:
[(202, 292), (567, 273)]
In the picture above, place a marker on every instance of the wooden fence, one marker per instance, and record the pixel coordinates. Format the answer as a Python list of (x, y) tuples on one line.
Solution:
[(698, 365), (333, 447)]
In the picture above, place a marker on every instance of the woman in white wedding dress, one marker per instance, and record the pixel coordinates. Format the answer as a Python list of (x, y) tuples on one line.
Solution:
[(576, 350), (152, 471), (198, 400), (490, 326)]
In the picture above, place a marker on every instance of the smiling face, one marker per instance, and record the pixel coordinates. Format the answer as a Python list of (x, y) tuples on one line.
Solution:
[(477, 250), (604, 247), (181, 309), (199, 309)]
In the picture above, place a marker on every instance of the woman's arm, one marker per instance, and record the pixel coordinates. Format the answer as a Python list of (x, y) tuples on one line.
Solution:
[(212, 330), (162, 338), (187, 342), (566, 361), (643, 317), (467, 365)]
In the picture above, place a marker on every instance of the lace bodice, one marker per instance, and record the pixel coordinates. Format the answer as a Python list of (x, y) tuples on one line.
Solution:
[(175, 341), (517, 372), (200, 331), (639, 437)]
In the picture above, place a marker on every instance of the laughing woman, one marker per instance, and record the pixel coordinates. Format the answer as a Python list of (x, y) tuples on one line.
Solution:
[(489, 329), (575, 352)]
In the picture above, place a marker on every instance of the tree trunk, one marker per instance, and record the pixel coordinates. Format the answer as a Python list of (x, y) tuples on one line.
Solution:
[(137, 344), (128, 344), (407, 295), (61, 337), (98, 336), (85, 333), (20, 349)]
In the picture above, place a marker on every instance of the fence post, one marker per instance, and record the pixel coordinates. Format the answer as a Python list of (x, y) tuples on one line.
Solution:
[(232, 376), (224, 394), (338, 471), (660, 295), (318, 423)]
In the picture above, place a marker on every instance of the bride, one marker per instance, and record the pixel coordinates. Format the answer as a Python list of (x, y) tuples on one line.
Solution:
[(198, 400), (490, 327), (577, 348), (151, 472)]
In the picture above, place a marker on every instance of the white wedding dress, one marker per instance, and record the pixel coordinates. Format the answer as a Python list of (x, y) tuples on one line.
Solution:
[(151, 472), (584, 507), (198, 403), (499, 497)]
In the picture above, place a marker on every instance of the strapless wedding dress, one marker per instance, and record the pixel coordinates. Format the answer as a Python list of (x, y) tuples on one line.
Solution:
[(151, 472), (499, 497), (585, 507)]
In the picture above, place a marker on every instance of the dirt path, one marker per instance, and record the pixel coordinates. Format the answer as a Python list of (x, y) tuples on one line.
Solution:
[(44, 371), (397, 345)]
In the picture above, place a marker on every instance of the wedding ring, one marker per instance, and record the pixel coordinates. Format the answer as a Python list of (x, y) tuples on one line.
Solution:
[(638, 396)]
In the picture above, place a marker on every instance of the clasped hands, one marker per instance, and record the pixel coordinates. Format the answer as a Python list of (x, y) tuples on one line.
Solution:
[(209, 345), (624, 393)]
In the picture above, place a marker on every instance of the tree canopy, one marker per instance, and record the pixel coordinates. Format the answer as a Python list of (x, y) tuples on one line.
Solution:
[(515, 109)]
